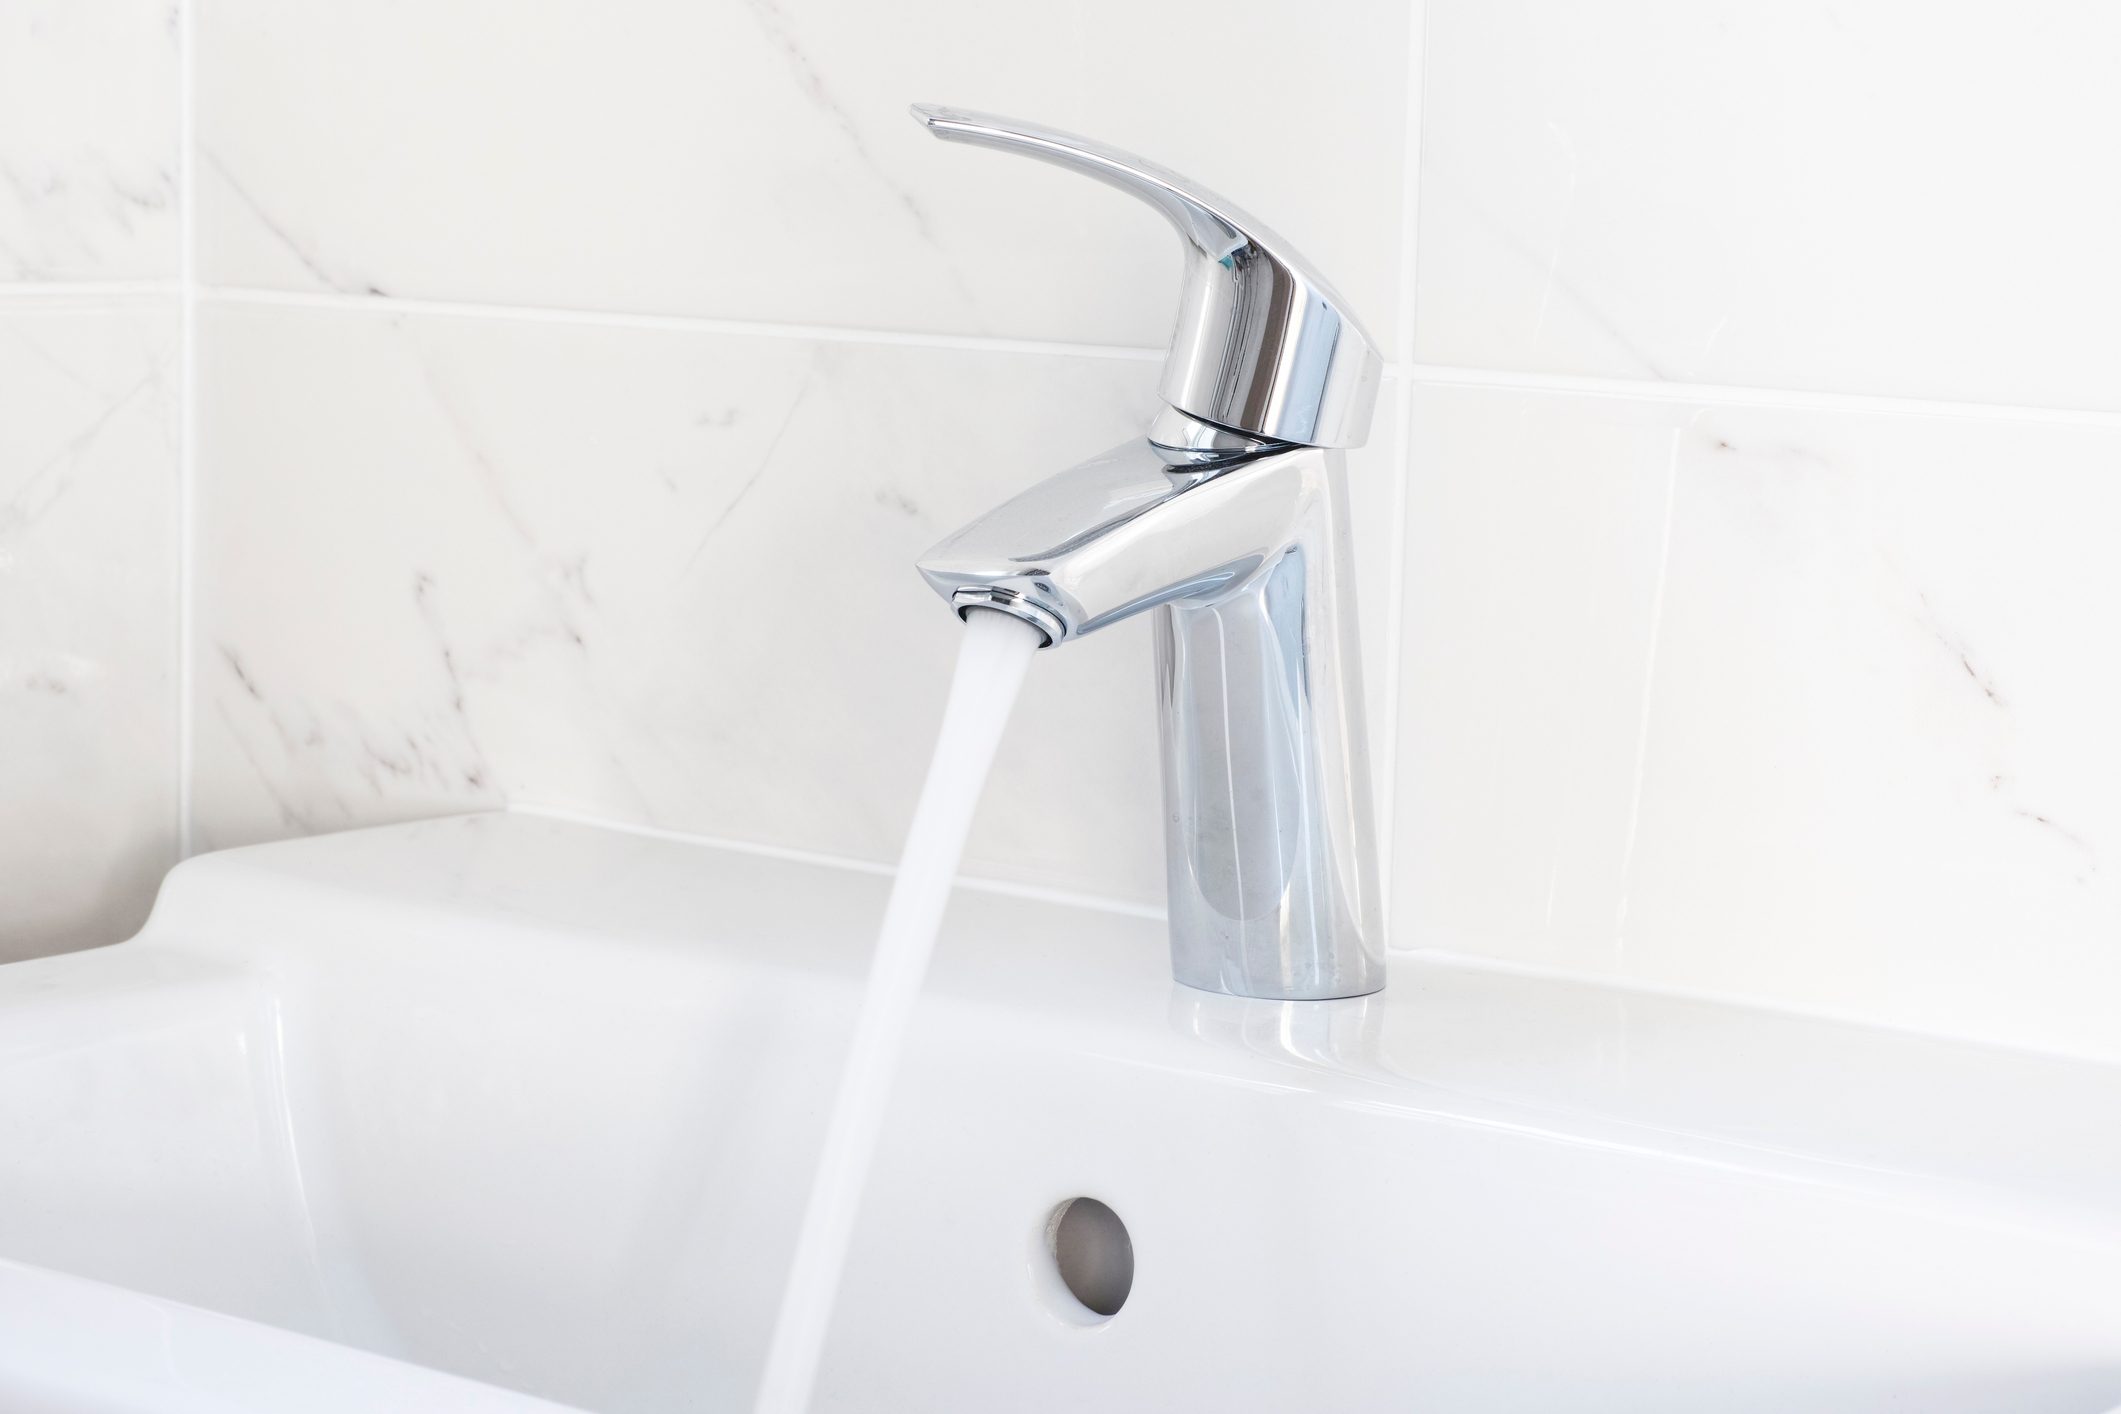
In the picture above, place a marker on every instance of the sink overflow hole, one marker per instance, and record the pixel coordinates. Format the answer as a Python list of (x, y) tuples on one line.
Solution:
[(1093, 1254)]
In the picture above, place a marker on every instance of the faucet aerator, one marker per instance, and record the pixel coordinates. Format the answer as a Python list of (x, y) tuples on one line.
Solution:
[(969, 600)]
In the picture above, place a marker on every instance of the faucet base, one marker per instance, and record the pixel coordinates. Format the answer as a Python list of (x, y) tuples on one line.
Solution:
[(1333, 994)]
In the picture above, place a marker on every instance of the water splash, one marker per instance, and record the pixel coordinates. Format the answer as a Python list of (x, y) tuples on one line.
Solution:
[(990, 670)]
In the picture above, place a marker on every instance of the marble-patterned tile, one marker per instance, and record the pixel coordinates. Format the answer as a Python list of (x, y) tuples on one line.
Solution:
[(657, 575), (87, 619), (88, 140), (1534, 529), (754, 160), (1805, 706), (1890, 197)]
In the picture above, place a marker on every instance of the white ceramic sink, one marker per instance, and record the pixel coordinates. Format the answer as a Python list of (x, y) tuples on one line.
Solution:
[(534, 1105)]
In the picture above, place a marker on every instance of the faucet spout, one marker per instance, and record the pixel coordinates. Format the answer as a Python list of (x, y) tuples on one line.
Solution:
[(1140, 526)]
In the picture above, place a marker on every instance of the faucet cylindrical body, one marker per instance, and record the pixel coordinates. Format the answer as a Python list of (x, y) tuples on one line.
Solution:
[(1269, 844), (1243, 556)]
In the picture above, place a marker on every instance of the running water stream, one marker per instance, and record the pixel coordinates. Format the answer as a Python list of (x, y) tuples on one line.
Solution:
[(990, 670)]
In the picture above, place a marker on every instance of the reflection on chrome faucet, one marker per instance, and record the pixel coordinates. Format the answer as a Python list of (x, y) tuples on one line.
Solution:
[(1345, 1038), (1230, 521)]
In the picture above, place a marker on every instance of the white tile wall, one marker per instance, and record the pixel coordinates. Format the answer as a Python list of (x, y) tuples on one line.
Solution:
[(753, 159), (1746, 644), (662, 576), (88, 140), (1809, 705), (87, 619), (89, 406), (1880, 196)]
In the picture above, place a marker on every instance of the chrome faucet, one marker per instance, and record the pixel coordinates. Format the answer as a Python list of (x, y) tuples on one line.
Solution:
[(1230, 521)]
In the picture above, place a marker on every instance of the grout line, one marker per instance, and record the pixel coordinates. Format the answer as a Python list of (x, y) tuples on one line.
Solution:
[(187, 411), (1655, 390), (1385, 735), (536, 314), (1410, 182), (1418, 374), (1004, 887), (30, 290), (1645, 715)]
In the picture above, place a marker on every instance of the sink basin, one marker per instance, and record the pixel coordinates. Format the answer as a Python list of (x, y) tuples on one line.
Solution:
[(488, 1112)]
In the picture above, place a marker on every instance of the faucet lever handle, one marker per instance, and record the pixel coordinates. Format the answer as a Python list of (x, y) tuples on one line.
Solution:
[(1263, 344)]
